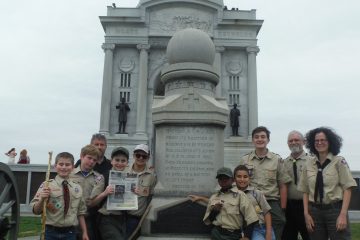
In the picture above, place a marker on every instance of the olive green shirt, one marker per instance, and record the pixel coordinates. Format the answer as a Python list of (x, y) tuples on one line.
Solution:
[(266, 174), (258, 200), (336, 175), (236, 208), (92, 183), (55, 207), (293, 192), (146, 184)]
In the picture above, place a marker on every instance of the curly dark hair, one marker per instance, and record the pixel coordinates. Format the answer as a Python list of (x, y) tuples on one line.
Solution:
[(334, 140)]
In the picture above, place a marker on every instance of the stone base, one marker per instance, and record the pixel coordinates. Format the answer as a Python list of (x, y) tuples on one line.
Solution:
[(177, 217)]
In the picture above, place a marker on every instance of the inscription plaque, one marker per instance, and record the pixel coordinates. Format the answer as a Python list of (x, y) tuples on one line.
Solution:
[(187, 159)]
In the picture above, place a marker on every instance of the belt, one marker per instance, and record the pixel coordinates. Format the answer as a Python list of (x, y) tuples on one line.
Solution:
[(334, 205), (228, 231), (61, 229)]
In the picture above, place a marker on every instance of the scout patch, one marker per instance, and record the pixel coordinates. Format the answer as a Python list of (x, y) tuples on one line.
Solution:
[(146, 191), (51, 207), (343, 161), (98, 179), (257, 209), (76, 189), (235, 194)]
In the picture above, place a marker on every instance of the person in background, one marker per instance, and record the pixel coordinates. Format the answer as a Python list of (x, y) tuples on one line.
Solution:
[(11, 154), (295, 221), (326, 183), (24, 158)]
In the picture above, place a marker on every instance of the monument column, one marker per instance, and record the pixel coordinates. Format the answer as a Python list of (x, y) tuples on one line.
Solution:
[(106, 89), (252, 87), (142, 89), (217, 66)]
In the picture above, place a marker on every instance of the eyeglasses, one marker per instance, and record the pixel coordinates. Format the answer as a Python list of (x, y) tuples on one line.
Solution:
[(138, 155), (321, 141)]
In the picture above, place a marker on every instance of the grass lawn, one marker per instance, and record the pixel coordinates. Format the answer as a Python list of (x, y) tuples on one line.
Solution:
[(31, 226)]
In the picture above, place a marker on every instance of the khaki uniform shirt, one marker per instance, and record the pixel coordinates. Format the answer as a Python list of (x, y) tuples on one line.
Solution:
[(266, 174), (92, 184), (337, 178), (236, 208), (103, 210), (55, 207), (293, 192), (146, 184), (258, 200)]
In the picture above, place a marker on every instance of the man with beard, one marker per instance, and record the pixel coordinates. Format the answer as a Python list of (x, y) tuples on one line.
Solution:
[(295, 222)]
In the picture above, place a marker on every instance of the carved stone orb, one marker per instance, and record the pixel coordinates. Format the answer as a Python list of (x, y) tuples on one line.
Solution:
[(191, 45)]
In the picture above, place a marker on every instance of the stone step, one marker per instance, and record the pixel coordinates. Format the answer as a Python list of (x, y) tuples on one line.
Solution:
[(171, 237)]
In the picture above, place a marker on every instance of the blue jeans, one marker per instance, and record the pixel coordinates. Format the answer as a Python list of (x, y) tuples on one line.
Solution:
[(51, 234), (259, 232)]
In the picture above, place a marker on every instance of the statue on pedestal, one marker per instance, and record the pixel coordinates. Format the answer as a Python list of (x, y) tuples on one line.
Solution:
[(234, 120), (123, 110)]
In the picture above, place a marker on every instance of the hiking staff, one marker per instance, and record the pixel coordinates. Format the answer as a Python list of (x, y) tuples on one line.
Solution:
[(46, 184)]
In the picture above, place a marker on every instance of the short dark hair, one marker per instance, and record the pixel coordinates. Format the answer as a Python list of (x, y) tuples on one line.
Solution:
[(98, 136), (241, 168), (261, 129), (334, 140), (66, 155)]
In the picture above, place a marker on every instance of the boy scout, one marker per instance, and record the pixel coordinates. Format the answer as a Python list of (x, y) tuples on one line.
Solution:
[(267, 173), (66, 206), (229, 210), (91, 182), (146, 184), (112, 223)]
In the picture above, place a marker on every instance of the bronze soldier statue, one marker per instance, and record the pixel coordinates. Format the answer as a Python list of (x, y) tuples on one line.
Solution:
[(234, 120), (123, 109)]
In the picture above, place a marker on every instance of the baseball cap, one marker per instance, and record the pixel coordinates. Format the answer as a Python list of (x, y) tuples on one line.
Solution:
[(142, 147), (121, 150), (224, 171)]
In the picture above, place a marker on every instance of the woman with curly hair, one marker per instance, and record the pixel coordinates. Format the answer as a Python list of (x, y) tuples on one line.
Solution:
[(326, 183)]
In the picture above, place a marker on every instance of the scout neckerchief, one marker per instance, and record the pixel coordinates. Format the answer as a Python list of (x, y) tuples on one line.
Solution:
[(319, 184), (66, 196)]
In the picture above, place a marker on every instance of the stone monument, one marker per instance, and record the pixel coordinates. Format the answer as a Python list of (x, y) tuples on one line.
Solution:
[(180, 66), (135, 57)]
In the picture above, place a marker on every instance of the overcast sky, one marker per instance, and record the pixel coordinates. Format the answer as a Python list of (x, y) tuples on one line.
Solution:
[(52, 64)]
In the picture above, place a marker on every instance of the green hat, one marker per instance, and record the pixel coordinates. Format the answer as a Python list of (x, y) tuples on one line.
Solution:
[(224, 171), (121, 150)]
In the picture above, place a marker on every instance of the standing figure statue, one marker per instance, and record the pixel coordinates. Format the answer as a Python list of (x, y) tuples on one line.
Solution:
[(123, 109), (234, 120)]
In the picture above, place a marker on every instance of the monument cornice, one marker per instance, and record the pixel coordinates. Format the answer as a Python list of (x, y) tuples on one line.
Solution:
[(216, 4)]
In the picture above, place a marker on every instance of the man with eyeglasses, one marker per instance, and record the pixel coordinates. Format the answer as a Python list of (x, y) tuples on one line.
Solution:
[(146, 184)]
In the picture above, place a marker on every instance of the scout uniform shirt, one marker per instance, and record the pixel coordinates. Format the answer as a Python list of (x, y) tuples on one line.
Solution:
[(293, 192), (146, 184), (55, 207), (236, 208), (258, 200), (92, 183), (337, 178), (266, 174)]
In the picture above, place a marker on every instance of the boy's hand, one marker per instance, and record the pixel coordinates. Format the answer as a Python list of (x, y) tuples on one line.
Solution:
[(194, 198), (109, 190), (45, 193), (136, 191), (85, 236)]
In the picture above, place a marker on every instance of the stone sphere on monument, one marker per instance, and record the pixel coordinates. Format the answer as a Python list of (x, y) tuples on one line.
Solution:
[(191, 45)]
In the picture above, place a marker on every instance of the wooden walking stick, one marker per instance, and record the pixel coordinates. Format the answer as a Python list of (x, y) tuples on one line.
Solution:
[(46, 184)]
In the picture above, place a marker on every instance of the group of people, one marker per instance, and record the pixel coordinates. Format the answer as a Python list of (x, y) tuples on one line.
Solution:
[(23, 159), (306, 194), (265, 197), (77, 195)]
